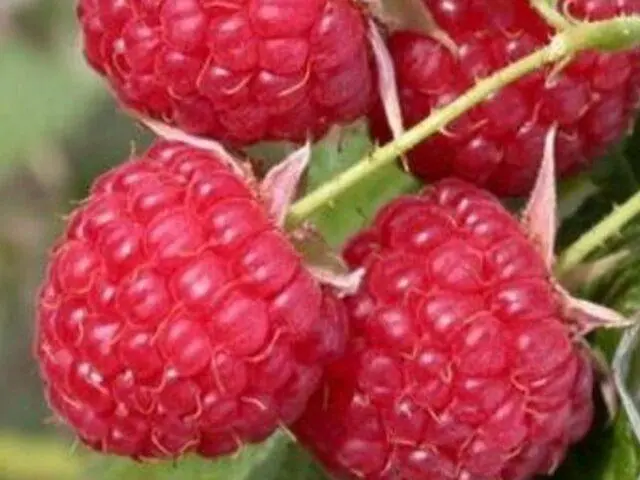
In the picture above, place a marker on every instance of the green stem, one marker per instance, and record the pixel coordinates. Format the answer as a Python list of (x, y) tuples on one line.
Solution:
[(594, 238), (552, 16), (614, 34)]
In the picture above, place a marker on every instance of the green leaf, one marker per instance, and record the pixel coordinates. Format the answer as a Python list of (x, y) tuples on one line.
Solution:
[(355, 208), (297, 464), (279, 457), (239, 467)]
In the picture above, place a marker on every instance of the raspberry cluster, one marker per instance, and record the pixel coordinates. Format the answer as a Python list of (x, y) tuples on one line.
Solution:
[(498, 145), (177, 316)]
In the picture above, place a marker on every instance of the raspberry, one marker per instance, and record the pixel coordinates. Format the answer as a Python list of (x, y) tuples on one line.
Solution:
[(175, 316), (498, 145), (238, 71), (461, 363)]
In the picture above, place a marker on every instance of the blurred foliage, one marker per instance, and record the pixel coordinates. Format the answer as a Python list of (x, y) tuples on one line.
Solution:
[(45, 91), (38, 458), (60, 130), (590, 197), (36, 83)]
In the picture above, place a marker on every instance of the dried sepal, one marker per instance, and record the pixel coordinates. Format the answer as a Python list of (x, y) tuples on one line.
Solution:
[(587, 316), (324, 263), (387, 85), (168, 132), (280, 185), (539, 217)]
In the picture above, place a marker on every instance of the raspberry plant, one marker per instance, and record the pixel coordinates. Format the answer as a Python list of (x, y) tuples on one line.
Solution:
[(342, 191)]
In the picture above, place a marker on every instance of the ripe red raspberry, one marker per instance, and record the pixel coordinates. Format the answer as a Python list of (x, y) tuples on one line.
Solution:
[(499, 144), (461, 363), (176, 316), (238, 71)]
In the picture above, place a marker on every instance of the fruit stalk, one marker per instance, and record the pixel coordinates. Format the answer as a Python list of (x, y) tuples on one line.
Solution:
[(596, 236), (614, 34)]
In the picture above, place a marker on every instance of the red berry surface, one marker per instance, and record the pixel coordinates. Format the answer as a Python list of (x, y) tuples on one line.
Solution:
[(239, 71), (175, 316), (460, 365), (499, 144)]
